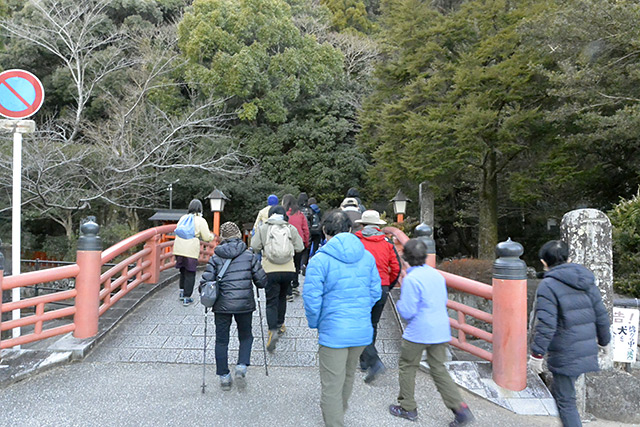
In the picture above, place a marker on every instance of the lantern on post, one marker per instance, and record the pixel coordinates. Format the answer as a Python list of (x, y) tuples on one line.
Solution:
[(217, 200), (400, 205)]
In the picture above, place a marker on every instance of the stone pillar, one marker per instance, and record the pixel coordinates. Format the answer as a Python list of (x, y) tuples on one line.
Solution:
[(425, 233), (587, 232), (426, 204)]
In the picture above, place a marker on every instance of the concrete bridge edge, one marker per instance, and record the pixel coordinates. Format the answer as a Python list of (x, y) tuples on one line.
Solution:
[(19, 364)]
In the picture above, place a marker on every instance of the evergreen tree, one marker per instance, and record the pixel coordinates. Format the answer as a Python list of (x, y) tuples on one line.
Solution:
[(457, 100)]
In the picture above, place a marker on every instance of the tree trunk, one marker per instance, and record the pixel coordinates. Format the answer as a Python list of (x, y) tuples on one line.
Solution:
[(133, 220), (488, 217)]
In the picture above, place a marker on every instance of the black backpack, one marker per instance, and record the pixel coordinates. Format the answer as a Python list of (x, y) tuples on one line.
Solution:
[(308, 213), (315, 225)]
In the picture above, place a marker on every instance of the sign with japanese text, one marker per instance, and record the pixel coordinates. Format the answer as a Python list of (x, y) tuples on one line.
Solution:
[(625, 334)]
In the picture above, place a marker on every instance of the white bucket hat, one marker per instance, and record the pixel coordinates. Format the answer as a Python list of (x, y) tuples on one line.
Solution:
[(370, 217)]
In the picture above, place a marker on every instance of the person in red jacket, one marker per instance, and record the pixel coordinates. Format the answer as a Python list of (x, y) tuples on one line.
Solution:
[(388, 264), (299, 221)]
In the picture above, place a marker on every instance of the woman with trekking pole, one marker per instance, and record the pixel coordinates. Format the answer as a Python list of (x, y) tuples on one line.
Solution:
[(235, 299)]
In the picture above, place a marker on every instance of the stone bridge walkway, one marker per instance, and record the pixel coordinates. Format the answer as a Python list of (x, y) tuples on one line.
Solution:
[(162, 330), (147, 371)]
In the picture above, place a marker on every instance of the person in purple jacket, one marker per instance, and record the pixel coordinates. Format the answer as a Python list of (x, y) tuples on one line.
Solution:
[(423, 304)]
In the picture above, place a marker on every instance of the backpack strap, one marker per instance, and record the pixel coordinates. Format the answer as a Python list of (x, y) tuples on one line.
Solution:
[(224, 268)]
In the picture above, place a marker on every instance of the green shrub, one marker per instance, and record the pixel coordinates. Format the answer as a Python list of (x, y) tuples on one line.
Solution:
[(475, 269), (625, 218)]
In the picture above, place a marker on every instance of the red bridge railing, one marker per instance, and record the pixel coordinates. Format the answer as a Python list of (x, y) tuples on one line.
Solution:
[(95, 290), (508, 292)]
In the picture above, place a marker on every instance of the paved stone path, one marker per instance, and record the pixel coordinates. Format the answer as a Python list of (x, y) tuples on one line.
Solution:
[(147, 371), (162, 330)]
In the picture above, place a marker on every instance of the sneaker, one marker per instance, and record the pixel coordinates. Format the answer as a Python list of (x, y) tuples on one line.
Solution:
[(187, 301), (398, 411), (225, 382), (282, 329), (290, 298), (463, 416), (241, 375), (273, 338), (373, 372), (181, 297)]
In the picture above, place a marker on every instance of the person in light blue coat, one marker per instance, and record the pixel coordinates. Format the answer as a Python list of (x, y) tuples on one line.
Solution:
[(423, 304), (341, 286)]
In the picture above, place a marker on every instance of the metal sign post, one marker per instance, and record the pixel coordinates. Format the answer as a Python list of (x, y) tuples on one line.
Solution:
[(21, 96), (18, 127)]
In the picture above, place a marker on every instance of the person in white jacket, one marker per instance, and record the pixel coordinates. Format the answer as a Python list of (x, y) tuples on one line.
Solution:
[(187, 251)]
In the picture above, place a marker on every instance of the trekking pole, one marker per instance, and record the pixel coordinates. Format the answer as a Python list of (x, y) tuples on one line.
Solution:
[(204, 351), (264, 347)]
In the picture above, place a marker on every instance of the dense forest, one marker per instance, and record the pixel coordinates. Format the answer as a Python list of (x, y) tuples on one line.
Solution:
[(515, 112)]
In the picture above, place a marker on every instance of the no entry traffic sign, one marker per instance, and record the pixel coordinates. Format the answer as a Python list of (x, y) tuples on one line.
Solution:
[(21, 94)]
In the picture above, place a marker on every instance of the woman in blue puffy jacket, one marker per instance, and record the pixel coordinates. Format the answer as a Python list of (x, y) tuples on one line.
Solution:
[(341, 286)]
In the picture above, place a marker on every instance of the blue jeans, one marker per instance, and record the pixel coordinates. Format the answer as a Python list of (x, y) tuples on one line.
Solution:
[(245, 336), (564, 393)]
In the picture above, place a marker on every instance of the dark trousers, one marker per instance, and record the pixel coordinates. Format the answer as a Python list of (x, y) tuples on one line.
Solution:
[(564, 393), (245, 336), (314, 244), (300, 259), (369, 356), (277, 285), (187, 280)]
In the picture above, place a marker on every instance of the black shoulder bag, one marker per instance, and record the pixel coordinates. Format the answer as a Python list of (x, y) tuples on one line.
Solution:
[(209, 292)]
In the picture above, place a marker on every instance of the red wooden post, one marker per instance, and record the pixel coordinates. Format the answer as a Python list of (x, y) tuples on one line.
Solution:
[(510, 317), (154, 257), (1, 276), (89, 260), (216, 223)]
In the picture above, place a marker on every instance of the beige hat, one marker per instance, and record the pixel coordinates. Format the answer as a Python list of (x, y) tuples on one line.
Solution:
[(370, 217), (349, 201)]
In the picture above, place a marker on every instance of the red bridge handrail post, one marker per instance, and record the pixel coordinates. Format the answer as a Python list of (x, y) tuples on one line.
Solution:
[(89, 260), (154, 256), (425, 233), (1, 278), (510, 317)]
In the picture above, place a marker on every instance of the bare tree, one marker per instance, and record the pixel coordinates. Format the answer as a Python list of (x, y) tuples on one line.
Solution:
[(72, 163), (81, 36)]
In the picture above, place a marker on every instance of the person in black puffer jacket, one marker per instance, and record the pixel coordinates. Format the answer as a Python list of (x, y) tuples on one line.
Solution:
[(570, 323), (235, 299)]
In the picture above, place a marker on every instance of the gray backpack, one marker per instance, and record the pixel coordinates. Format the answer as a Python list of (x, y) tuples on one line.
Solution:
[(278, 245)]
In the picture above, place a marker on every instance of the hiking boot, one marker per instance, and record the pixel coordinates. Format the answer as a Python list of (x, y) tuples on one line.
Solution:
[(273, 338), (463, 416), (181, 297), (226, 381), (373, 372), (282, 329), (241, 375), (187, 301), (398, 411)]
